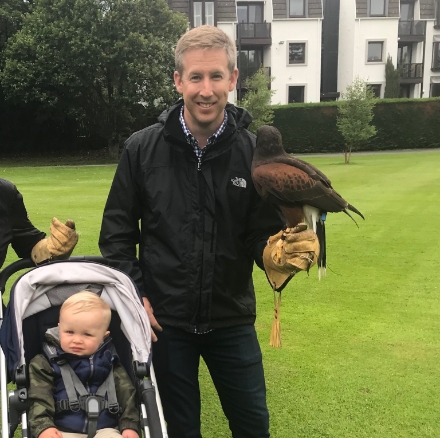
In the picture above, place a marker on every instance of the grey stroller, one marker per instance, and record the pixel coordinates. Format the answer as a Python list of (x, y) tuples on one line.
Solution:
[(35, 301)]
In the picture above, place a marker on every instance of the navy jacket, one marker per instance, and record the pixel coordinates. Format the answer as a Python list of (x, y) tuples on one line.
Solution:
[(92, 372)]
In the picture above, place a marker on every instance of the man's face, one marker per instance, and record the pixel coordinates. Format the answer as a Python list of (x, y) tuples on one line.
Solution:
[(204, 85)]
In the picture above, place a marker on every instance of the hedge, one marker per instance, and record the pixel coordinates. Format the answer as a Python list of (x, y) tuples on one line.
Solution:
[(400, 123)]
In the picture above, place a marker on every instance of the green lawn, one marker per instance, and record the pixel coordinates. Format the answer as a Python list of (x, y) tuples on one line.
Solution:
[(361, 348)]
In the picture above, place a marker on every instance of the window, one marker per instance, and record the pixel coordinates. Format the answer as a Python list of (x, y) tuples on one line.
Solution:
[(203, 13), (435, 90), (250, 12), (404, 55), (297, 8), (376, 89), (407, 11), (296, 94), (250, 21), (377, 8), (248, 62), (296, 53), (375, 51), (436, 57), (405, 91)]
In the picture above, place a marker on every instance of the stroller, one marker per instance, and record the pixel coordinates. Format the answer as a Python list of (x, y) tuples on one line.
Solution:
[(34, 305)]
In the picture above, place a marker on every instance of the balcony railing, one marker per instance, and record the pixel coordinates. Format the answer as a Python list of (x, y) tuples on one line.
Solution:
[(412, 28), (412, 71), (253, 30)]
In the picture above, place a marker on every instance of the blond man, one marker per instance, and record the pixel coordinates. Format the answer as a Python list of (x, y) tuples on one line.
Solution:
[(187, 181)]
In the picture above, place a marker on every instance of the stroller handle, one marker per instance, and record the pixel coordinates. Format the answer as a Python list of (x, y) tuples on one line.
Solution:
[(12, 269), (28, 263)]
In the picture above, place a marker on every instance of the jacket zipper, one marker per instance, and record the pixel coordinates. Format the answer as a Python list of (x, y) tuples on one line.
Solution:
[(199, 163), (86, 424)]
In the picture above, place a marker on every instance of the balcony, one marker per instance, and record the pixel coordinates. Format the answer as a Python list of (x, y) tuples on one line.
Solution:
[(411, 73), (412, 31), (254, 34)]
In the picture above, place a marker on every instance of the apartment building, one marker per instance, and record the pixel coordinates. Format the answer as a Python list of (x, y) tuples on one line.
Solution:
[(315, 48)]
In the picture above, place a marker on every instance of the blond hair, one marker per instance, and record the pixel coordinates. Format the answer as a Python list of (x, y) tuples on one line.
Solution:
[(85, 301), (203, 38)]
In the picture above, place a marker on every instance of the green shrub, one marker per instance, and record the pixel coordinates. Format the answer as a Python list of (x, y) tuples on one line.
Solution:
[(400, 124)]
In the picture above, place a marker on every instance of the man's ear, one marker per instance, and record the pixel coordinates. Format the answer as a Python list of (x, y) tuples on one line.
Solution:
[(106, 334), (233, 79), (178, 82)]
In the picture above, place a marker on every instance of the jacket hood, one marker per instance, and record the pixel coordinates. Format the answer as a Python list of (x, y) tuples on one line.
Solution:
[(241, 116)]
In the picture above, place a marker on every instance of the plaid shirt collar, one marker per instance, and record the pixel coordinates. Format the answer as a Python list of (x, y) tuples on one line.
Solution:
[(193, 141)]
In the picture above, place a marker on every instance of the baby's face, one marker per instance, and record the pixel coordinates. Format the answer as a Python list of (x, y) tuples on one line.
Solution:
[(83, 332)]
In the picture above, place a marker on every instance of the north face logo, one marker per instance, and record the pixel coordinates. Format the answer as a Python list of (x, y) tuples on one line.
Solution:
[(239, 182)]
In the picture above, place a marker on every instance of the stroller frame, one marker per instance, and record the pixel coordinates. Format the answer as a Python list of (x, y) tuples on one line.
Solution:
[(152, 419)]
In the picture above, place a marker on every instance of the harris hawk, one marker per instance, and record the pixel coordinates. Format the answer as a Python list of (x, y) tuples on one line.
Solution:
[(300, 190)]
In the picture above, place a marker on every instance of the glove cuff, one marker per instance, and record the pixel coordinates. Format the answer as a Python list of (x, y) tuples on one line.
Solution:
[(40, 252), (277, 278)]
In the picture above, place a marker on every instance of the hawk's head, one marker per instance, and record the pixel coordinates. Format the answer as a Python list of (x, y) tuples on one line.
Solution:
[(269, 141)]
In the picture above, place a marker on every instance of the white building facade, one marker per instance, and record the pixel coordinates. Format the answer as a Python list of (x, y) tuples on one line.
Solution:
[(315, 48)]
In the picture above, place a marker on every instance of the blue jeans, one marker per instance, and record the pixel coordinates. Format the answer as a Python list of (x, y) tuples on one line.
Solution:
[(234, 360)]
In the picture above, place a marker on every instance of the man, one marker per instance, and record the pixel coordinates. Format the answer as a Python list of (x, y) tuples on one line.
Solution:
[(188, 181), (26, 240)]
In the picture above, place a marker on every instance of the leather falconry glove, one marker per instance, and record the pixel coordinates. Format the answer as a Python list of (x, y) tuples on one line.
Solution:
[(59, 245), (287, 253)]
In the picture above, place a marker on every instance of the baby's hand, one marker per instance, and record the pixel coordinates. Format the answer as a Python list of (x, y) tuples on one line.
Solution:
[(52, 432), (129, 433)]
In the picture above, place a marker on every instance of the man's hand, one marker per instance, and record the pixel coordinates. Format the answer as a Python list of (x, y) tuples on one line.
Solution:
[(287, 253), (153, 322), (60, 243), (52, 432), (129, 433)]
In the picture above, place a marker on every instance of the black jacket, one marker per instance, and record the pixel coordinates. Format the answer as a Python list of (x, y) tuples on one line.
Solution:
[(201, 229), (15, 226)]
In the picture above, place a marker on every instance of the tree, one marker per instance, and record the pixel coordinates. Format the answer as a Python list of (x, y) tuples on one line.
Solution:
[(355, 114), (257, 100), (97, 62), (392, 79), (12, 13)]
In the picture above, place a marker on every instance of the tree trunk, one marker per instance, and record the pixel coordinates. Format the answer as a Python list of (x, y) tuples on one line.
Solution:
[(347, 155)]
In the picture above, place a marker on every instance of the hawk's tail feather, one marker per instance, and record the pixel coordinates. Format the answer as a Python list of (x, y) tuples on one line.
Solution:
[(354, 210), (322, 258)]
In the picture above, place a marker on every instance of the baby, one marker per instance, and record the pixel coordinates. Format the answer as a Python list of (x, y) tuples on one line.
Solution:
[(81, 346)]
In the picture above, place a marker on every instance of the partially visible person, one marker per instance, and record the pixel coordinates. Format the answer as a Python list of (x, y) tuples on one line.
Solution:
[(81, 345), (27, 241)]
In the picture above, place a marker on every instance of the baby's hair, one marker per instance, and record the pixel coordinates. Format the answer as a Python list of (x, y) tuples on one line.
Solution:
[(85, 301)]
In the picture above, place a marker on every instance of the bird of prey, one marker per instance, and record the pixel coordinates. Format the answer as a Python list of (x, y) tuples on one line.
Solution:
[(300, 190)]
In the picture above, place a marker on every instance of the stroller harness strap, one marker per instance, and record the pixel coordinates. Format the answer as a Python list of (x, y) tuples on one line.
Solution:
[(92, 404)]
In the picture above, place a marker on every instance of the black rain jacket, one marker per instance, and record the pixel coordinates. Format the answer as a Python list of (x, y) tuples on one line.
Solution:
[(15, 226), (202, 225)]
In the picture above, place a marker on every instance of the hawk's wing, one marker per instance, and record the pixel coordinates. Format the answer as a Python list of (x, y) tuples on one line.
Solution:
[(286, 185)]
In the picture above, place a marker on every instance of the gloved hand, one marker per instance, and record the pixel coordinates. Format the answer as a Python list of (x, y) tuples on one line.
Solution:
[(59, 245), (289, 252)]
